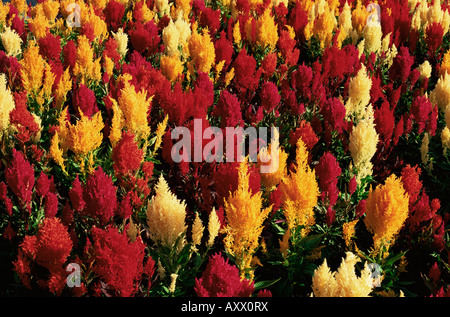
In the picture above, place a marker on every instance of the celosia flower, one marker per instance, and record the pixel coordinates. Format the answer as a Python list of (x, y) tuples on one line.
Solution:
[(384, 122), (333, 112), (270, 97), (11, 42), (127, 156), (144, 37), (300, 192), (401, 66), (84, 101), (358, 93), (50, 205), (114, 12), (118, 261), (246, 76), (7, 102), (99, 196), (122, 41), (221, 279), (441, 93), (33, 66), (322, 23), (76, 195), (344, 282), (245, 218), (50, 46), (386, 211), (166, 216), (434, 34), (20, 178), (53, 243), (135, 107), (267, 33), (363, 144), (171, 67), (50, 248), (202, 51), (411, 181), (86, 65), (226, 179), (304, 132), (229, 109), (328, 172), (86, 135)]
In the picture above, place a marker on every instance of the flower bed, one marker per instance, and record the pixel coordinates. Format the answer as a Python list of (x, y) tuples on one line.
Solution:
[(97, 200)]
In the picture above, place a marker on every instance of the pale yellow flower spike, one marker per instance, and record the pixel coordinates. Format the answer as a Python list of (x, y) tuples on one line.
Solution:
[(166, 216), (213, 228), (344, 282)]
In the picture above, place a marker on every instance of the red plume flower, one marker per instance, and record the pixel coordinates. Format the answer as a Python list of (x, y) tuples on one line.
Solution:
[(221, 279)]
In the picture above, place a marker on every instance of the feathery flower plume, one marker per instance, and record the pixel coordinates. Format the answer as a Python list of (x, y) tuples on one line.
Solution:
[(7, 102), (166, 216), (344, 282), (245, 218), (300, 192), (387, 208)]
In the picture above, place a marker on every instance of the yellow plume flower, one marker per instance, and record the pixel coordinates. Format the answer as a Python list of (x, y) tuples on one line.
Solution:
[(86, 65), (33, 68), (166, 216), (197, 232), (358, 92), (21, 5), (359, 17), (344, 282), (11, 42), (386, 211), (122, 41), (245, 220), (441, 93), (300, 192), (171, 67), (135, 107), (4, 10), (213, 227), (445, 65), (160, 130), (425, 69), (117, 123), (372, 39), (237, 33), (266, 28), (39, 26), (56, 153), (6, 102), (86, 135), (201, 49), (363, 144), (424, 148), (324, 24), (348, 232), (445, 138), (64, 86)]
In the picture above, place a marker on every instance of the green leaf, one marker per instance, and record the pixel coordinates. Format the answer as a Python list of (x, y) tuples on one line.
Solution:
[(265, 284)]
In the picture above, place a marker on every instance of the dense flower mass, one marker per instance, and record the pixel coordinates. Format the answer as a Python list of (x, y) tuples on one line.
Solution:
[(95, 200)]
